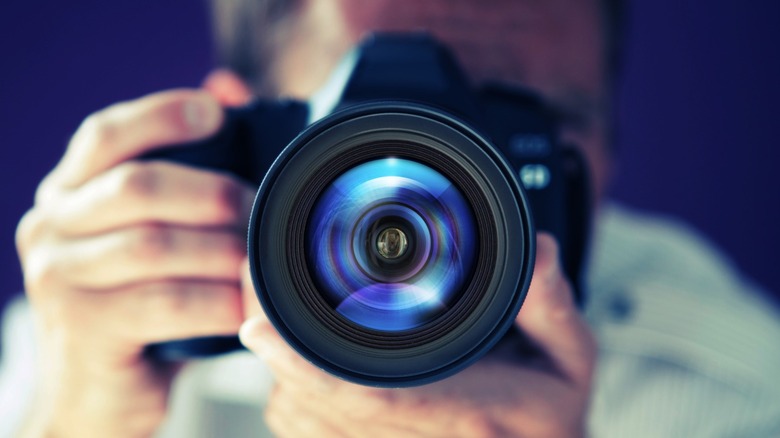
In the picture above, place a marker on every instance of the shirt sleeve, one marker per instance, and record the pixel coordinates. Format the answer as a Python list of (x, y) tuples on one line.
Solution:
[(17, 368), (687, 346), (647, 397)]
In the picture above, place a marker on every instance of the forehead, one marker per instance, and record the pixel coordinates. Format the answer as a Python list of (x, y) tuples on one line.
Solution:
[(553, 46)]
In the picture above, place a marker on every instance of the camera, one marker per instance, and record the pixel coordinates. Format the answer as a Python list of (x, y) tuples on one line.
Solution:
[(392, 241)]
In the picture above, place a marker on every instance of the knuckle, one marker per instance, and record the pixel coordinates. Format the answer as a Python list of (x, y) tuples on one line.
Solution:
[(167, 299), (29, 230), (225, 199), (232, 249), (138, 181), (98, 129), (150, 243), (41, 268), (47, 190), (41, 272)]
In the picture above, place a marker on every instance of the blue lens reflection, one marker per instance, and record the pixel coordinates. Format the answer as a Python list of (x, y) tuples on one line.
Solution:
[(361, 285)]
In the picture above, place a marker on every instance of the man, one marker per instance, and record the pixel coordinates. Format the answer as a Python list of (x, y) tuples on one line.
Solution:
[(118, 254)]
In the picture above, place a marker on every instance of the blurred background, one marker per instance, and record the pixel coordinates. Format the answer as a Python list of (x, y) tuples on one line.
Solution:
[(697, 106)]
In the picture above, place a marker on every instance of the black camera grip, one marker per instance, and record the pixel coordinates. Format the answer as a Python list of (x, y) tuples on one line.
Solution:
[(247, 144), (225, 151), (220, 152), (195, 348)]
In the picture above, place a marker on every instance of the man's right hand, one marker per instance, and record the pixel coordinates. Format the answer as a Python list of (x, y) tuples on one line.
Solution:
[(119, 253)]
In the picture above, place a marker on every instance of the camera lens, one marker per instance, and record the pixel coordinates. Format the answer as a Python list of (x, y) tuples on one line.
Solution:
[(391, 243)]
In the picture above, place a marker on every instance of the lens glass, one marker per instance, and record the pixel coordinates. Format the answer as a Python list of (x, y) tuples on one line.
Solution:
[(390, 244)]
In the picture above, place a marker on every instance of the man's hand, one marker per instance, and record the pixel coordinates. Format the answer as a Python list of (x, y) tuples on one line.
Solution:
[(119, 253), (507, 393)]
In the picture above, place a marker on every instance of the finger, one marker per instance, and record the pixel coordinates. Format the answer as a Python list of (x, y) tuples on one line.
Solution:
[(142, 192), (550, 318), (129, 129), (146, 253), (160, 310)]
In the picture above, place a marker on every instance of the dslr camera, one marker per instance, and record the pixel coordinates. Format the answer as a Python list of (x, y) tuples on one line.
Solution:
[(392, 241)]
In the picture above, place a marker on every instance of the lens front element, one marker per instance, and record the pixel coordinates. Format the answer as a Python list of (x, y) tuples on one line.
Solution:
[(391, 243)]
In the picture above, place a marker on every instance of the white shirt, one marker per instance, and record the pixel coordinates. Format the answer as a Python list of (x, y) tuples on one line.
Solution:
[(687, 348)]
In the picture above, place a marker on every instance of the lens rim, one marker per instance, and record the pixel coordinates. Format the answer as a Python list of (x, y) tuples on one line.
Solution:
[(322, 152)]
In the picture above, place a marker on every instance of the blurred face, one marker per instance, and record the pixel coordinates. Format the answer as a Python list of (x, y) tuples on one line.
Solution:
[(555, 47)]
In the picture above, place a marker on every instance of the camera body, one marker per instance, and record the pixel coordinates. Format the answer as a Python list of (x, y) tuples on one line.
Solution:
[(407, 110)]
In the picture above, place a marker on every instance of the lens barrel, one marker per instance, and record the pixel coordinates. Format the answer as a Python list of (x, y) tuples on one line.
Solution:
[(391, 244)]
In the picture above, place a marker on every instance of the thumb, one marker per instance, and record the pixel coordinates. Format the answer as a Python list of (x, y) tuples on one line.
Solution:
[(550, 318)]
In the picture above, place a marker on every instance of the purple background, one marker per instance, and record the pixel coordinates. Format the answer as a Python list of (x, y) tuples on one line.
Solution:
[(697, 105)]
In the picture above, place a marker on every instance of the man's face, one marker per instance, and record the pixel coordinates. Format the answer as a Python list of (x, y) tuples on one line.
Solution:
[(555, 47)]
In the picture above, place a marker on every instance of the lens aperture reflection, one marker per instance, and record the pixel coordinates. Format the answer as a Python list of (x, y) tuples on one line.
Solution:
[(390, 244)]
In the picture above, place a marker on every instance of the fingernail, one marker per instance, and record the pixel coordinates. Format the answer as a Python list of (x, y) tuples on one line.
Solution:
[(201, 113)]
